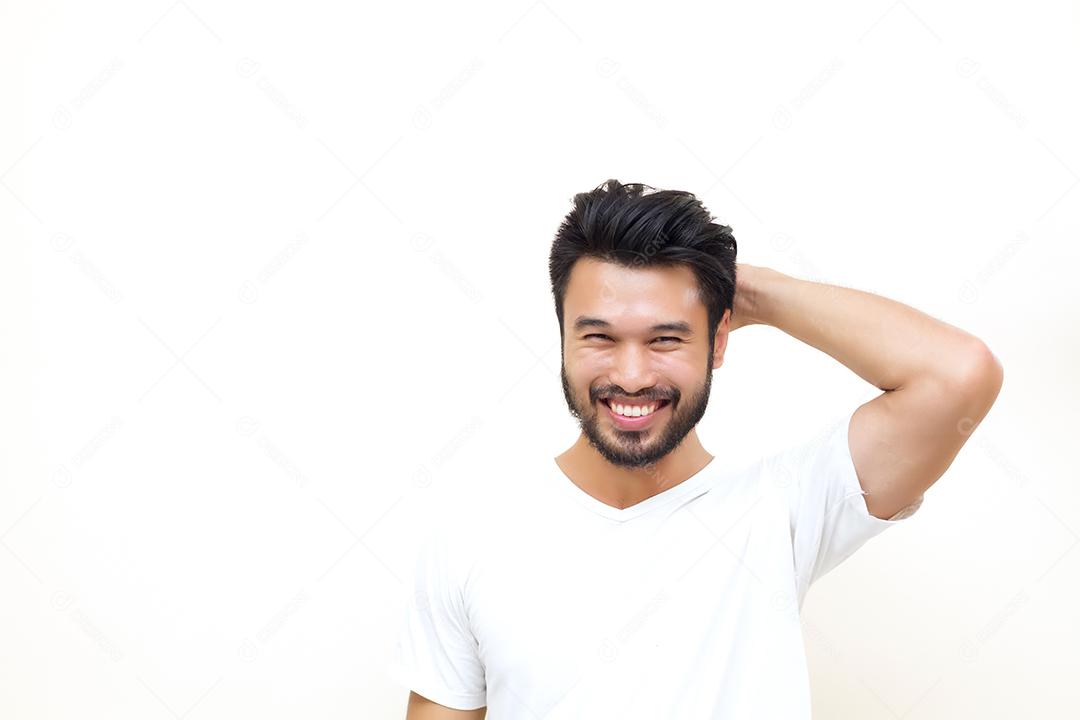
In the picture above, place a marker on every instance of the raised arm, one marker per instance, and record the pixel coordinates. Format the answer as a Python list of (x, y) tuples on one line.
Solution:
[(939, 380)]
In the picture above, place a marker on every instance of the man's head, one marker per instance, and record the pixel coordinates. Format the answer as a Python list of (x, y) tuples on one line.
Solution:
[(628, 262)]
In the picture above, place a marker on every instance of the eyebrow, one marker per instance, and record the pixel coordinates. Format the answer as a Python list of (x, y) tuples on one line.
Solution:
[(680, 326)]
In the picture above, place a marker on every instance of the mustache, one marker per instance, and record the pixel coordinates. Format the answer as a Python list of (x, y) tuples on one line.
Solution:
[(649, 397)]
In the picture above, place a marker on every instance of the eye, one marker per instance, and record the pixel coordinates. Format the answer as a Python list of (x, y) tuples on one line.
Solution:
[(598, 335)]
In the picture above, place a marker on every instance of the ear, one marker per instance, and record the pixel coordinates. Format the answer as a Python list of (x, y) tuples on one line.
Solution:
[(720, 342)]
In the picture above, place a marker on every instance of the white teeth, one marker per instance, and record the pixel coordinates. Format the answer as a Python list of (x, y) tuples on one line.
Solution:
[(633, 410)]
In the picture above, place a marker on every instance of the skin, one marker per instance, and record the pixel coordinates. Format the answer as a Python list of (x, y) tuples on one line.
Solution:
[(624, 467), (420, 708)]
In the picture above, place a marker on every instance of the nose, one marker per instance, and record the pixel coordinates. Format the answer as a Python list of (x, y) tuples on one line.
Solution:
[(632, 369)]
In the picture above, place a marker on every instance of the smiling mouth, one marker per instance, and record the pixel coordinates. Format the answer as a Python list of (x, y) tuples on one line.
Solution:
[(660, 404)]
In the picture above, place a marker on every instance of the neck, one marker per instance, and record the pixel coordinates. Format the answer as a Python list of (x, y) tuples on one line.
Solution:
[(622, 487)]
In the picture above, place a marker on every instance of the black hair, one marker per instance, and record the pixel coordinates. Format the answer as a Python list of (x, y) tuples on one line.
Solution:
[(636, 226)]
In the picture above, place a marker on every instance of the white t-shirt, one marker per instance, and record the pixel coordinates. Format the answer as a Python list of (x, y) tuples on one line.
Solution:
[(685, 605)]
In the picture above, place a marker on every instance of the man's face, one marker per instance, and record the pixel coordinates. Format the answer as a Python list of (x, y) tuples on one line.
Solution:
[(630, 358)]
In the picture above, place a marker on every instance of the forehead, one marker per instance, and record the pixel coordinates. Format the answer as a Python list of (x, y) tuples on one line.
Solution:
[(632, 296)]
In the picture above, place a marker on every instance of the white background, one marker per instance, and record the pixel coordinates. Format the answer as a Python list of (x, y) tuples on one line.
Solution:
[(274, 288)]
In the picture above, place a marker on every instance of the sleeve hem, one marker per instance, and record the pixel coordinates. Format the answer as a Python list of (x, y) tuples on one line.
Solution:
[(408, 679), (852, 486)]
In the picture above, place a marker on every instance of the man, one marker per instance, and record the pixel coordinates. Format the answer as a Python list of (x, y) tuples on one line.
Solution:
[(636, 576)]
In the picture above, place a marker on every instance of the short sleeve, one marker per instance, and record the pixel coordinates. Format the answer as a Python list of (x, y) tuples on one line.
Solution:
[(829, 518), (437, 654)]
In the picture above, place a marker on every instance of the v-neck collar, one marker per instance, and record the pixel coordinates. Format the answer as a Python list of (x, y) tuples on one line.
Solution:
[(697, 483)]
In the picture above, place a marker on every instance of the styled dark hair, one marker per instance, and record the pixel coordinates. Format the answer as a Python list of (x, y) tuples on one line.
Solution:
[(637, 226)]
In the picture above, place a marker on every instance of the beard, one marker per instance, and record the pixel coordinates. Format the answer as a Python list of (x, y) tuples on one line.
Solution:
[(636, 449)]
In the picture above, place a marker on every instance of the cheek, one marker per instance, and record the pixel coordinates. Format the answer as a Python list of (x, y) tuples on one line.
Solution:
[(680, 374), (586, 364)]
